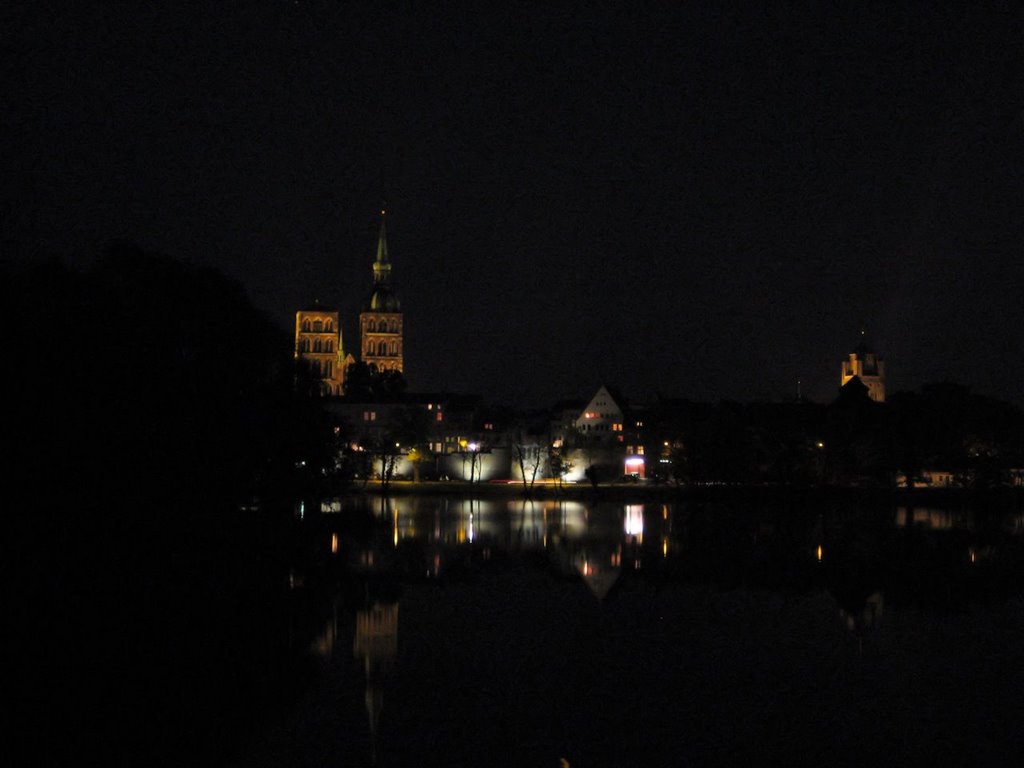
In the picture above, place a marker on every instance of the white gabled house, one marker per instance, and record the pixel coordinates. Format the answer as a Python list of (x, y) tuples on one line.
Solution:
[(604, 416)]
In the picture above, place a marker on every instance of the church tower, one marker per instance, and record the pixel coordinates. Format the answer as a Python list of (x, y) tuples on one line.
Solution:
[(866, 366), (380, 322), (318, 344)]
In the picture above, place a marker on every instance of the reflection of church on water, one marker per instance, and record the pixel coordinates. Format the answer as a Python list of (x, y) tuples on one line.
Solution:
[(374, 595), (376, 643)]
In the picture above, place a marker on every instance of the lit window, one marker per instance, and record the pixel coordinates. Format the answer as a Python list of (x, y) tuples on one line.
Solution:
[(440, 416), (489, 426)]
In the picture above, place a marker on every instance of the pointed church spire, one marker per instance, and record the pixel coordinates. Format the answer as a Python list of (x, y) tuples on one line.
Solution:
[(382, 241), (382, 266), (380, 322)]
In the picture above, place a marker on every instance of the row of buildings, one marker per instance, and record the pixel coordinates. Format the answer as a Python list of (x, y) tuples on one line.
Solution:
[(465, 439)]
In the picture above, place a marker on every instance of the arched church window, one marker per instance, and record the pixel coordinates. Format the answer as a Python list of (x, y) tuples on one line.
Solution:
[(329, 345), (394, 348), (328, 325), (305, 325), (318, 326), (382, 348), (371, 326)]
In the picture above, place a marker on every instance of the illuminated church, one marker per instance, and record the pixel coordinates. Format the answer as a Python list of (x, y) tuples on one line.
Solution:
[(380, 322), (865, 365), (318, 334)]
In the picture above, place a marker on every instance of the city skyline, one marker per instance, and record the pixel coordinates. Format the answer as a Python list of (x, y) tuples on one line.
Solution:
[(698, 202)]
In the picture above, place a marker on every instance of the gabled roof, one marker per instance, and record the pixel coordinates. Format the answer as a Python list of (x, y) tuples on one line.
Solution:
[(604, 392)]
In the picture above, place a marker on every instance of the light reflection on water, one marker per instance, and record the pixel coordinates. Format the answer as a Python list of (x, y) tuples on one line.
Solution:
[(937, 519), (469, 573)]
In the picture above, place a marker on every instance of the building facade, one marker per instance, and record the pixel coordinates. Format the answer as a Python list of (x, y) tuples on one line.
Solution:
[(318, 343), (866, 366), (380, 322)]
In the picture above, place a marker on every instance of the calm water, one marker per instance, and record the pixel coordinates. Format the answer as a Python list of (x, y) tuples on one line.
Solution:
[(516, 633)]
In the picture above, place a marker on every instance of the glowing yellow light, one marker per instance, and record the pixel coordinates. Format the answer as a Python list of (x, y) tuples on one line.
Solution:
[(819, 553), (664, 547), (974, 556), (334, 543)]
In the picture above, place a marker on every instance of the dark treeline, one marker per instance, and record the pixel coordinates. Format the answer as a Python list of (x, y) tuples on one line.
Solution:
[(146, 373), (850, 441), (151, 402)]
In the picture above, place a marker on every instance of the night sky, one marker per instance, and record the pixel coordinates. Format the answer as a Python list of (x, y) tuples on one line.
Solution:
[(699, 202)]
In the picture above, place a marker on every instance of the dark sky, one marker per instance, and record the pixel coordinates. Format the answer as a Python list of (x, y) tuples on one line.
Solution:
[(703, 202)]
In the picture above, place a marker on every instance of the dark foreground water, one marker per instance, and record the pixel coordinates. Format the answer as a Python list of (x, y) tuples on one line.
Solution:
[(511, 633)]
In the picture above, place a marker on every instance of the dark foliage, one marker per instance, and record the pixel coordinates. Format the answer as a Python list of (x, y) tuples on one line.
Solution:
[(363, 382), (851, 441), (153, 402)]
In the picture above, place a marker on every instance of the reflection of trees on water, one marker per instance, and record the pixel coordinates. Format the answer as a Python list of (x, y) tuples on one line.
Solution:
[(862, 619)]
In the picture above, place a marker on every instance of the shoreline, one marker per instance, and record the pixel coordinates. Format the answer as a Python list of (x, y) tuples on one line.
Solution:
[(643, 492)]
